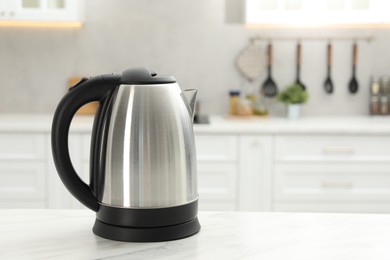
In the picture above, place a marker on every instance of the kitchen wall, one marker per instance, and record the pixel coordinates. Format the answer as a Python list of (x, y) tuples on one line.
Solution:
[(189, 39)]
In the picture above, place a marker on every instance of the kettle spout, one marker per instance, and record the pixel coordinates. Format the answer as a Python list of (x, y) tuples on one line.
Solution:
[(189, 97)]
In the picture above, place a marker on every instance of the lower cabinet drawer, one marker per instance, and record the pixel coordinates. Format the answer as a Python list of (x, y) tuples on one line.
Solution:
[(332, 148), (332, 182), (217, 182), (22, 180), (216, 147), (22, 146)]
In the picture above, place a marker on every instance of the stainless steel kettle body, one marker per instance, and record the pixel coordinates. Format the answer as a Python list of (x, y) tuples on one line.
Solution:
[(150, 158), (143, 182)]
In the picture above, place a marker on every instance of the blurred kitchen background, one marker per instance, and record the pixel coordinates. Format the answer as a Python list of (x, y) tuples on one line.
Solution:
[(335, 157), (197, 41)]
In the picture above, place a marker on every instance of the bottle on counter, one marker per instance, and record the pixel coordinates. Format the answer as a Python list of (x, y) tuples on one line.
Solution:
[(384, 95), (244, 107), (384, 105), (375, 86), (384, 86), (374, 105), (249, 93), (233, 100), (260, 107), (380, 95)]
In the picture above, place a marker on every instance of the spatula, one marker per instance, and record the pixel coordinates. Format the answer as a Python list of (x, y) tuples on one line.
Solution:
[(353, 84), (269, 87), (298, 81), (328, 84)]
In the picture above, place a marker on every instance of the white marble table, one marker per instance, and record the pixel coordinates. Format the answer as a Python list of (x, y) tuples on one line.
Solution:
[(66, 234)]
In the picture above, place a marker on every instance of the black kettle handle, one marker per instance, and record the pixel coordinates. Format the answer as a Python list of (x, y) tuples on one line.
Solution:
[(87, 90)]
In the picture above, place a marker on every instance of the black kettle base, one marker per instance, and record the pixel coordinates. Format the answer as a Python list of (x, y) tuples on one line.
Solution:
[(147, 224), (152, 234)]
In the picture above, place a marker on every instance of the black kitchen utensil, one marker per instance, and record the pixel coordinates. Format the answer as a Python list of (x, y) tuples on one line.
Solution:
[(328, 84), (269, 87), (353, 84), (298, 81)]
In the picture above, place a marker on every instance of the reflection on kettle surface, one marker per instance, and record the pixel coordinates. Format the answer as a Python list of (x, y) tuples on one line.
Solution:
[(149, 147)]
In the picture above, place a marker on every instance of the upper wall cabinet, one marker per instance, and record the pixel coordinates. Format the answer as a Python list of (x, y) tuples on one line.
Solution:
[(41, 10), (317, 13)]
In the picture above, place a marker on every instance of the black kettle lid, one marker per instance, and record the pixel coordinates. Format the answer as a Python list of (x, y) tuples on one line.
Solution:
[(142, 75)]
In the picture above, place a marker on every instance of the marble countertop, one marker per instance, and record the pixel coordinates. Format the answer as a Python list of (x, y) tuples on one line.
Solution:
[(225, 125), (67, 234), (303, 125)]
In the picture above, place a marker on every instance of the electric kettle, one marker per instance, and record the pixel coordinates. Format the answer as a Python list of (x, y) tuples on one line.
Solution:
[(143, 181)]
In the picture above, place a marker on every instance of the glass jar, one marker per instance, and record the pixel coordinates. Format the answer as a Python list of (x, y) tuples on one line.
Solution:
[(249, 93), (260, 107), (374, 105), (244, 107), (233, 100), (375, 86), (384, 85), (384, 105)]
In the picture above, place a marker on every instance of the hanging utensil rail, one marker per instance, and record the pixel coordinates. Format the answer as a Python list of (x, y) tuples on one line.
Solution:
[(309, 38)]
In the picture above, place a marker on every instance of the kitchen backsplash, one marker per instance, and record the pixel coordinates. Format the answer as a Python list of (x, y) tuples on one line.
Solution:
[(188, 39)]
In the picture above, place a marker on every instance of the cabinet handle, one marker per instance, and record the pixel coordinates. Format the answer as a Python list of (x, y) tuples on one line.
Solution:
[(338, 150), (11, 14), (337, 184)]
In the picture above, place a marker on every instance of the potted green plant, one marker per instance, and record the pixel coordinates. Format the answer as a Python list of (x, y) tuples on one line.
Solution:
[(293, 96)]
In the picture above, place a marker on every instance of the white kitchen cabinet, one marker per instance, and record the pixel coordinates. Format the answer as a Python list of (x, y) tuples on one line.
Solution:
[(217, 186), (332, 173), (22, 170), (60, 197), (83, 161), (273, 167), (216, 148), (22, 146), (255, 174), (41, 10), (22, 180), (321, 148), (217, 171), (319, 13)]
